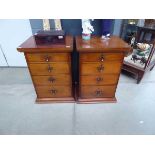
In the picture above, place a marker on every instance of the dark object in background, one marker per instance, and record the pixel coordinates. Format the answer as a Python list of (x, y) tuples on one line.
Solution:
[(50, 37), (128, 31), (129, 36), (150, 23), (106, 26), (145, 35)]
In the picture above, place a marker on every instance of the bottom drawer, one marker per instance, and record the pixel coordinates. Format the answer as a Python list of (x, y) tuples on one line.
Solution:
[(97, 91), (55, 91)]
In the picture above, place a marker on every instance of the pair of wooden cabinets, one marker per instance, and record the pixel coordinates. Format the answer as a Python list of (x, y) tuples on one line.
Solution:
[(100, 64)]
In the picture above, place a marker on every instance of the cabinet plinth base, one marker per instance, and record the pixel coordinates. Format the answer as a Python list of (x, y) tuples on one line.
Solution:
[(55, 100), (96, 100)]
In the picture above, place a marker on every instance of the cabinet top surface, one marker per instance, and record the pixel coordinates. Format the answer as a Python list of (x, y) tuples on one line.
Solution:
[(96, 43), (30, 46)]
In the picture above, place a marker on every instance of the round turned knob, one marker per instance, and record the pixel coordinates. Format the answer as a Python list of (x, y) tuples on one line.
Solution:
[(100, 68), (47, 58), (99, 92), (98, 79), (102, 58), (50, 68), (51, 79), (53, 91)]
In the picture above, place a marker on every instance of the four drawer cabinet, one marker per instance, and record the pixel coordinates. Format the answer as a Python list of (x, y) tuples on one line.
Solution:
[(50, 69), (100, 64)]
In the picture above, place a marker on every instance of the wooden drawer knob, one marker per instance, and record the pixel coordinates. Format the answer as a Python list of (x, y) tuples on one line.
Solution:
[(99, 79), (47, 58), (102, 58), (51, 79), (50, 68), (53, 91), (100, 68), (99, 92)]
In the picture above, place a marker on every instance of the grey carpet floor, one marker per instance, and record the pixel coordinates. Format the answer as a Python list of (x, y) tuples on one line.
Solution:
[(134, 113)]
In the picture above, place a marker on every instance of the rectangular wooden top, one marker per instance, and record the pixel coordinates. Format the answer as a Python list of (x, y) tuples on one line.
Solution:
[(30, 46), (96, 44)]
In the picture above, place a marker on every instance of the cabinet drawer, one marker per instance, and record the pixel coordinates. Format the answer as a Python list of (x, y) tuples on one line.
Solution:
[(53, 91), (48, 57), (100, 68), (49, 69), (100, 57), (106, 79), (97, 91), (52, 80)]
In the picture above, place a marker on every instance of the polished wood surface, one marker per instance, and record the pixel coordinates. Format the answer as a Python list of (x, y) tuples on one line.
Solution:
[(50, 69), (100, 57), (100, 63), (96, 100), (48, 57), (96, 44), (30, 46), (53, 80), (55, 100), (97, 91), (53, 91), (106, 79), (101, 68)]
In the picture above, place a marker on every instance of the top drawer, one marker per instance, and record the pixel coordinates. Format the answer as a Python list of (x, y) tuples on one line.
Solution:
[(100, 57), (48, 57)]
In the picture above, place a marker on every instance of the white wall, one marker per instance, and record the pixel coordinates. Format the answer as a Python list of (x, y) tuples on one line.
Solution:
[(12, 33), (2, 58)]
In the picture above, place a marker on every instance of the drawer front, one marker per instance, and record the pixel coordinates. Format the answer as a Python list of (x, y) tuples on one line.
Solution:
[(53, 91), (49, 69), (97, 91), (100, 57), (106, 79), (48, 57), (98, 68), (52, 80)]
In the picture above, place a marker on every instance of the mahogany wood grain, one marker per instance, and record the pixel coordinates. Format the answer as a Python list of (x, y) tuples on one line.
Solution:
[(96, 44), (55, 100), (30, 46), (100, 63), (101, 68), (53, 80), (53, 91), (97, 91), (50, 68), (106, 79), (100, 57), (96, 100), (48, 57)]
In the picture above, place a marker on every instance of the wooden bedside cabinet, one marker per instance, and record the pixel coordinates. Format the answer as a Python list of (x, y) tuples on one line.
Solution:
[(50, 69), (100, 63)]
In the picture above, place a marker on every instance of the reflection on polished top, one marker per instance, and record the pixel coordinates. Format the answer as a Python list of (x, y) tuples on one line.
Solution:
[(30, 44), (96, 43)]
